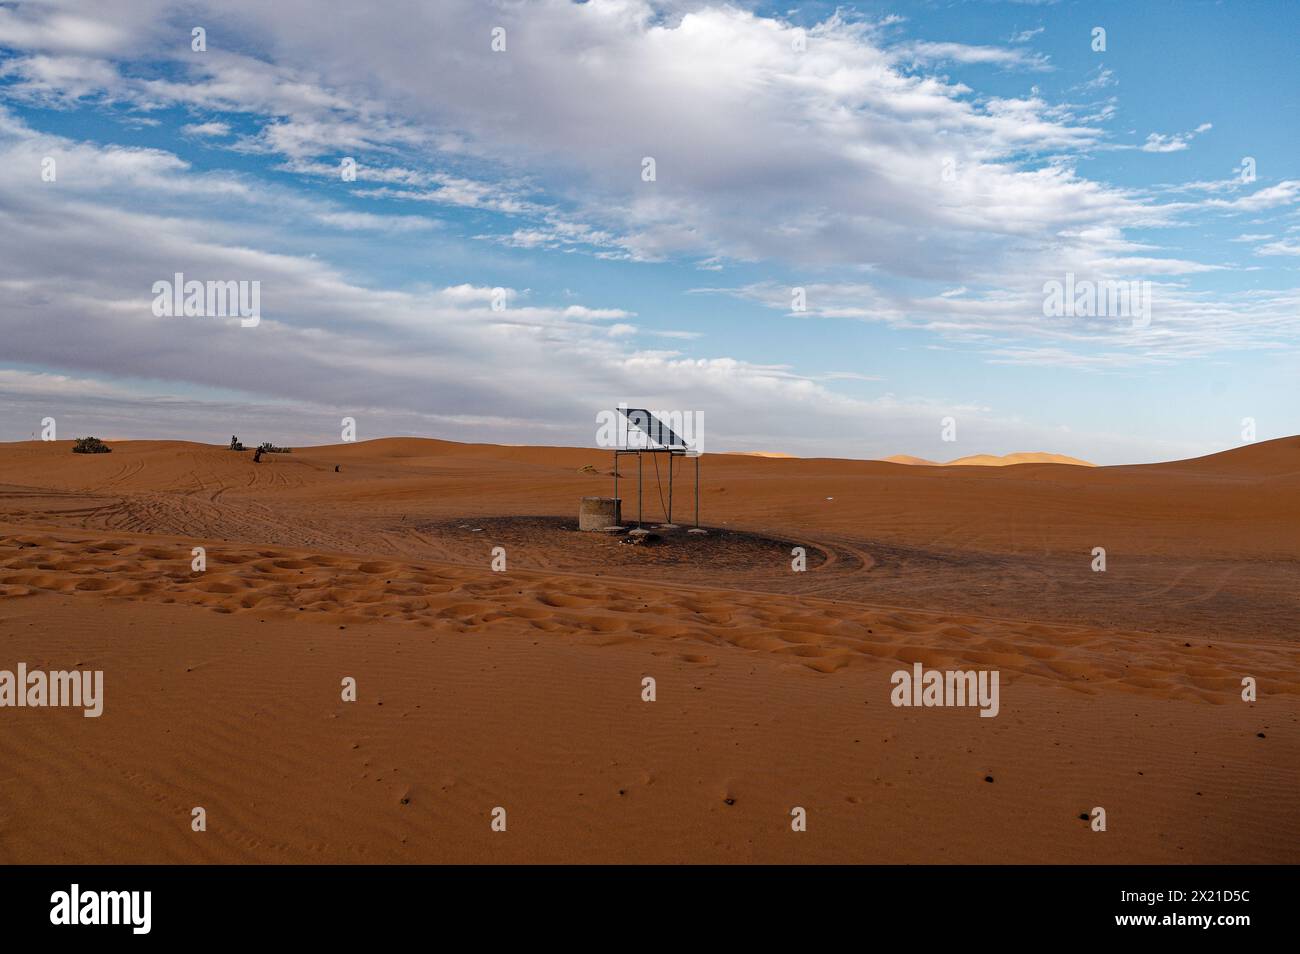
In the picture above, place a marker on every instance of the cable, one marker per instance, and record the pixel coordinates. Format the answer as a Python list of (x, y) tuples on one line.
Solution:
[(659, 484)]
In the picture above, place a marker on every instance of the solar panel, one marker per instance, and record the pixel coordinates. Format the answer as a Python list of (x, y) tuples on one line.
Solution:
[(659, 434)]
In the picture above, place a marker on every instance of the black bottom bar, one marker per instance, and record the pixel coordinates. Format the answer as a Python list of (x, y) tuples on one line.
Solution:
[(978, 905)]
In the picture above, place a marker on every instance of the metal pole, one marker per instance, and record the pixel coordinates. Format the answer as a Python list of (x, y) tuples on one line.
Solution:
[(670, 487), (697, 492), (638, 490)]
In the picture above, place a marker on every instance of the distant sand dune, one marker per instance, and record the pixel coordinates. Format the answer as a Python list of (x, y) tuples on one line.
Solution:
[(991, 460)]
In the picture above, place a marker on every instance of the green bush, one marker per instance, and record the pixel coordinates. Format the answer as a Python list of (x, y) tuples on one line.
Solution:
[(90, 445)]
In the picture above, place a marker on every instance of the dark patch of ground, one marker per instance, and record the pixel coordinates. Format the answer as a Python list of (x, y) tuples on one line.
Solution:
[(556, 543)]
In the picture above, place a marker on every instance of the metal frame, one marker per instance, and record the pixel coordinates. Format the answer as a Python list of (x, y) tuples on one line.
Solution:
[(646, 423)]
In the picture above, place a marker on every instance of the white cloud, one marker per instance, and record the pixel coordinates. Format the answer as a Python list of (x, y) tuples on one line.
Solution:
[(34, 27), (1279, 248), (206, 129), (1157, 142), (1008, 324), (366, 221), (1100, 78), (831, 156), (1286, 192), (931, 52)]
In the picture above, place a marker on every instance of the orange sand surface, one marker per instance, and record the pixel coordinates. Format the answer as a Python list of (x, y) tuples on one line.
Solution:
[(522, 688)]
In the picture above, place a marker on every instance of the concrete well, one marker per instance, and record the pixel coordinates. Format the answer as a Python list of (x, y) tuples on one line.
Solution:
[(597, 513)]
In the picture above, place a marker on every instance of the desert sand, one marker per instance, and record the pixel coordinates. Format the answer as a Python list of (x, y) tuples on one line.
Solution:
[(523, 689)]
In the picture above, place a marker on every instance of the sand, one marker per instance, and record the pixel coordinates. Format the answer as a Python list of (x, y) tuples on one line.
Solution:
[(523, 689)]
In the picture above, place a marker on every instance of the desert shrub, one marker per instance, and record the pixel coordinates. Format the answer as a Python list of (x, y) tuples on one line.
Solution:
[(90, 445), (269, 448)]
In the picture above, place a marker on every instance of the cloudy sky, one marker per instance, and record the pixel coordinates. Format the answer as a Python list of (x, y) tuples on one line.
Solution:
[(853, 213)]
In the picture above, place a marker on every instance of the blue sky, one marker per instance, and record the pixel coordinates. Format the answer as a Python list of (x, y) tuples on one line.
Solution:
[(919, 170)]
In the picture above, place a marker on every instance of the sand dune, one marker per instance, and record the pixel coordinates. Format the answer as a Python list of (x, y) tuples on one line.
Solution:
[(909, 459), (522, 688), (991, 460), (1006, 460)]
